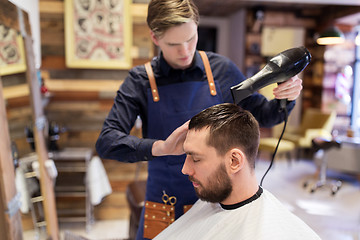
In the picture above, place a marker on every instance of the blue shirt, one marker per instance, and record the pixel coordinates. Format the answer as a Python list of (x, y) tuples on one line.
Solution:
[(115, 142)]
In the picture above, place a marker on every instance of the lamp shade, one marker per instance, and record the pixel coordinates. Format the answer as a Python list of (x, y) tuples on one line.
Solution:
[(331, 36)]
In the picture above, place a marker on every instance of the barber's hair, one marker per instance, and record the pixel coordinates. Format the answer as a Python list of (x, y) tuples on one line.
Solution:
[(164, 14), (230, 127)]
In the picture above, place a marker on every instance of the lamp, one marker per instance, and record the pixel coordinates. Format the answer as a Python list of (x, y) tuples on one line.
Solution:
[(331, 36)]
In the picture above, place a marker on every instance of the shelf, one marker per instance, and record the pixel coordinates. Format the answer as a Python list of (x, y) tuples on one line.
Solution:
[(72, 169), (72, 154), (17, 91), (72, 219), (71, 212), (71, 192), (64, 189)]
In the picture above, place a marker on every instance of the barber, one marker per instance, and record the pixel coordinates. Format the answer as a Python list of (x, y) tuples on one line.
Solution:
[(167, 92)]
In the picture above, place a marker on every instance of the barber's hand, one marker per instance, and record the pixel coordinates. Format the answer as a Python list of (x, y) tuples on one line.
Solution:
[(289, 89), (173, 145)]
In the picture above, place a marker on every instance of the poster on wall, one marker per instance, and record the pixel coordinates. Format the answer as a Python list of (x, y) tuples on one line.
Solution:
[(12, 54), (98, 34)]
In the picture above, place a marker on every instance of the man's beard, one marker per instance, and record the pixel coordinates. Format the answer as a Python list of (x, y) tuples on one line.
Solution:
[(219, 186)]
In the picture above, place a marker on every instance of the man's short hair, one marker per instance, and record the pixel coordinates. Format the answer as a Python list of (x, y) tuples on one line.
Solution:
[(164, 14), (230, 127)]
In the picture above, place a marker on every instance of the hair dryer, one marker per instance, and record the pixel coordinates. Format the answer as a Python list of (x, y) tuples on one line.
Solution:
[(279, 69)]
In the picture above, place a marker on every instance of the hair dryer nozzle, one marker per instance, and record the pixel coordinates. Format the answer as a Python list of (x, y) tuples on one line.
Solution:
[(280, 68)]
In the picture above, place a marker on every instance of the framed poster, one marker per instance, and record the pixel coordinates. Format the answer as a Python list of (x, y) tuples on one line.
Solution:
[(12, 54), (98, 34)]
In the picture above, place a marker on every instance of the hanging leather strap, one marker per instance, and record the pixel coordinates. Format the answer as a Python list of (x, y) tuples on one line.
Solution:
[(208, 73), (154, 90)]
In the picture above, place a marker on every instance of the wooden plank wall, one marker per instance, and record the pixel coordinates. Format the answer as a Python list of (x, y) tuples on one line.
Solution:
[(79, 100), (81, 111)]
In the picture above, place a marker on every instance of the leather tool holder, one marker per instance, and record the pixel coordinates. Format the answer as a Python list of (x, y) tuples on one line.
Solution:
[(157, 217), (187, 208)]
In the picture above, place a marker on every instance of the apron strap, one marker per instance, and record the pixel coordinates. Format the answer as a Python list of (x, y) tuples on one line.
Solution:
[(154, 90), (208, 73)]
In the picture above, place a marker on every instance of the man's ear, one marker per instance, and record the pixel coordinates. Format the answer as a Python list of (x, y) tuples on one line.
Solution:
[(154, 38), (237, 160)]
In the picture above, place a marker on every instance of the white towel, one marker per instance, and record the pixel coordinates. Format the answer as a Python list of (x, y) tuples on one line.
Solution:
[(26, 188), (97, 181), (49, 166), (21, 187)]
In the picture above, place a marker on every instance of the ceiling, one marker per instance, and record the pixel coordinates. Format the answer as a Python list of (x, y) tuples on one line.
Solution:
[(316, 8)]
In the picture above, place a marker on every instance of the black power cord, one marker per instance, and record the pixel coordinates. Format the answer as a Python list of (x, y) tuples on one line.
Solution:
[(283, 108)]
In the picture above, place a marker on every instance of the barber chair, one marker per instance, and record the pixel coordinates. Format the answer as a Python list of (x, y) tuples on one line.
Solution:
[(320, 147), (314, 124)]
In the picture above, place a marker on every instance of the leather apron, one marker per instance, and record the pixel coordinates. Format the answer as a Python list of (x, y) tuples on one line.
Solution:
[(169, 107)]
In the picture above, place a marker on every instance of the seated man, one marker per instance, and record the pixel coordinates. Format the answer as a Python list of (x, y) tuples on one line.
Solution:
[(221, 146)]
